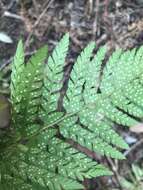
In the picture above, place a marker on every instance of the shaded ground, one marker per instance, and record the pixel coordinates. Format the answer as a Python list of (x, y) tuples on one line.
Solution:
[(115, 23)]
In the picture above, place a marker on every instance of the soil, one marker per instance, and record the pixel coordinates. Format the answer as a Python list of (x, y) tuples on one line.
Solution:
[(118, 24)]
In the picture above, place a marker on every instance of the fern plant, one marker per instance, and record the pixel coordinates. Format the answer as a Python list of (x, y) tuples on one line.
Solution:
[(41, 149)]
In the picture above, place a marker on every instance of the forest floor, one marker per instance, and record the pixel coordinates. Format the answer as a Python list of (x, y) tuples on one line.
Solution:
[(118, 24)]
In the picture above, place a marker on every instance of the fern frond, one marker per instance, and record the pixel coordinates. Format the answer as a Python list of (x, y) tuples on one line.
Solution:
[(90, 141), (26, 100), (93, 138), (123, 102), (123, 87), (73, 100), (16, 76), (49, 163), (53, 79), (94, 70), (38, 153)]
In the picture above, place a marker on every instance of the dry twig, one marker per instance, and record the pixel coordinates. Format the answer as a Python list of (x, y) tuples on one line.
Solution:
[(115, 171), (132, 148), (95, 24), (46, 5), (12, 15)]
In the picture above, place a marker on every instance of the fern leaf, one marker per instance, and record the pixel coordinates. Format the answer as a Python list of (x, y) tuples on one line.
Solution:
[(37, 153), (53, 79), (73, 99), (134, 92), (110, 136), (94, 70), (89, 140), (53, 164), (91, 135), (123, 102), (28, 91), (16, 76)]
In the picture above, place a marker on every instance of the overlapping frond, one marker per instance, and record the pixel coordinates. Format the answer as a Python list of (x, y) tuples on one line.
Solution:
[(48, 163), (114, 96), (87, 128), (123, 83)]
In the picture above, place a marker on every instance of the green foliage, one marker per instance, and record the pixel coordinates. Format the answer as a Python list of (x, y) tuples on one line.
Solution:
[(134, 180), (43, 147)]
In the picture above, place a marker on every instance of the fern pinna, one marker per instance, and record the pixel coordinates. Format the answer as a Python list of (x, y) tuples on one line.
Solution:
[(38, 152)]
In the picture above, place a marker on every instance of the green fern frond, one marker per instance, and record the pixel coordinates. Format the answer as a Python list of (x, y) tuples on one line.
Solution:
[(87, 136), (73, 100), (90, 141), (39, 153), (26, 97), (53, 80), (17, 70), (51, 164), (94, 70)]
